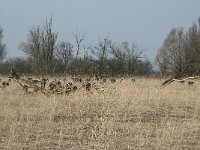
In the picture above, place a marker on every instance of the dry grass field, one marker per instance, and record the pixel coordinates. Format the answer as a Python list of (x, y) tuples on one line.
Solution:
[(123, 115)]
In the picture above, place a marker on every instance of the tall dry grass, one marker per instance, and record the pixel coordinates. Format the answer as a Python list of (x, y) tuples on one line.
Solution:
[(124, 116)]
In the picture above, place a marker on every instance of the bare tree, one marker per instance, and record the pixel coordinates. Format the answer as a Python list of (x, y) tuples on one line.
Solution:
[(101, 53), (180, 52), (79, 37), (2, 46), (119, 59), (192, 49), (77, 61), (132, 53), (65, 52), (171, 56), (41, 46)]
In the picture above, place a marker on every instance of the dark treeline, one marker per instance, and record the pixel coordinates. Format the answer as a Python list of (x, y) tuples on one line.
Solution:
[(46, 56), (120, 59), (80, 66)]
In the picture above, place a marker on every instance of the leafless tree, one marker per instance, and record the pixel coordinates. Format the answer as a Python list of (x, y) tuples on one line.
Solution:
[(79, 37), (41, 46), (2, 46), (65, 52), (180, 52), (126, 55), (171, 56), (133, 53), (101, 53), (192, 49)]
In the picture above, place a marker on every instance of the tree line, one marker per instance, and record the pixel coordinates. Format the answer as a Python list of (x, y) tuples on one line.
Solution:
[(178, 55), (46, 56)]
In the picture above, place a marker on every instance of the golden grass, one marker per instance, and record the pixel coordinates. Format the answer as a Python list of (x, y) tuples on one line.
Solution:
[(124, 116)]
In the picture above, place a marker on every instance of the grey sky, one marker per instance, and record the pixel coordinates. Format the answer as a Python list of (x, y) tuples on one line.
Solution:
[(145, 22)]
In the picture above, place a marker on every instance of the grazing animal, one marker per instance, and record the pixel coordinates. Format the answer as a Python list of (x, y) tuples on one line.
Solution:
[(5, 84), (104, 80), (74, 88), (113, 80), (88, 86), (88, 80), (133, 80), (35, 81), (65, 80), (180, 81), (25, 88), (76, 79), (25, 81), (69, 87), (52, 86), (13, 74), (30, 78), (26, 84), (97, 78), (43, 82), (56, 87), (190, 83), (34, 88)]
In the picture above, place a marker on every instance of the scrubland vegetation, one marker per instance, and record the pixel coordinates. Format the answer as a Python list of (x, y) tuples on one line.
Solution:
[(122, 115)]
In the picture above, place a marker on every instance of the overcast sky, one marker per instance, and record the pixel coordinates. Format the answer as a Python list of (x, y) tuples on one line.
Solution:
[(145, 22)]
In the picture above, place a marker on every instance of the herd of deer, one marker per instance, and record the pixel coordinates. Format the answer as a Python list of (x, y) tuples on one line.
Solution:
[(56, 86), (180, 79)]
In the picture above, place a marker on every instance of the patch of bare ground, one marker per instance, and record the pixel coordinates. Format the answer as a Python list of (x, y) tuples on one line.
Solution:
[(124, 115)]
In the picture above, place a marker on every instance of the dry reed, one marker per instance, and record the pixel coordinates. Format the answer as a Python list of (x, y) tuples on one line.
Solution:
[(124, 115)]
